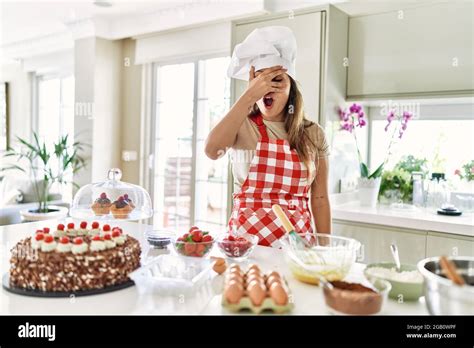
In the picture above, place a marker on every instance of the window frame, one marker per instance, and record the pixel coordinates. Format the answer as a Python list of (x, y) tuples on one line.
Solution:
[(155, 115)]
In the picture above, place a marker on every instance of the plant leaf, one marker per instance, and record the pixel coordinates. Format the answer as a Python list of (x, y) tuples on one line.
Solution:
[(364, 172), (11, 167), (377, 172)]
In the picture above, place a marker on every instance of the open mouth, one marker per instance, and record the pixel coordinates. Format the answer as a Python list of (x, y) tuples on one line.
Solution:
[(268, 101)]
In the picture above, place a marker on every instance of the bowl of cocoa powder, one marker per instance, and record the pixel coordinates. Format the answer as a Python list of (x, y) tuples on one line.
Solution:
[(355, 298)]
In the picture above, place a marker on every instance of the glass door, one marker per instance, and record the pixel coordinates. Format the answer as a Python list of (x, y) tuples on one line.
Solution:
[(188, 188), (210, 210), (173, 145)]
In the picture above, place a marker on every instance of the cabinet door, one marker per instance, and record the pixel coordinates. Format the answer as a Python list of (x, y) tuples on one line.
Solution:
[(376, 241), (423, 50), (442, 244), (307, 30)]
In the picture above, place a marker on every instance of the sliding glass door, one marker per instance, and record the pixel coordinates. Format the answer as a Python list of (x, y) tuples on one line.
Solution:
[(188, 188)]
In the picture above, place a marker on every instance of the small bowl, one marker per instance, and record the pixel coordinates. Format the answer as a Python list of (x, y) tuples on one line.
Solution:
[(159, 239), (405, 291), (344, 301), (238, 249), (193, 249)]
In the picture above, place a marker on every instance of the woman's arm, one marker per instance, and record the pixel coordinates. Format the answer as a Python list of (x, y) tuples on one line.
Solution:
[(223, 135), (320, 206)]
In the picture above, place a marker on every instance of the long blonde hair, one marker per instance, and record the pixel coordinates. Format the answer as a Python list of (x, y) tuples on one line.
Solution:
[(296, 125)]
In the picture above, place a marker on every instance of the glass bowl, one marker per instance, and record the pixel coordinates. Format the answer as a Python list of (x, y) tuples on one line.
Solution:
[(237, 247), (159, 239), (326, 256), (193, 249)]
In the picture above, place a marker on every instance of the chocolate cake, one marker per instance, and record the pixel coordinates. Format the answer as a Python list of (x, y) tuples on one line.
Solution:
[(50, 262)]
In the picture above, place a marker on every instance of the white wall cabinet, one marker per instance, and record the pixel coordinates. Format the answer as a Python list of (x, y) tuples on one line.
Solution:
[(376, 241), (438, 244), (307, 30), (413, 245), (426, 50)]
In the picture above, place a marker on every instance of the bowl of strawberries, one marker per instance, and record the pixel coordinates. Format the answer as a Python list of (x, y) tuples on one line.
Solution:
[(195, 243), (237, 246)]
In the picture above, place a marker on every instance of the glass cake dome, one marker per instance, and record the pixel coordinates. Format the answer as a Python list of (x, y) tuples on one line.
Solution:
[(111, 199)]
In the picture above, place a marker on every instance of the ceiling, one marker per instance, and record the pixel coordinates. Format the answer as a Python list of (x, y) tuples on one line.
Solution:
[(23, 20), (26, 20)]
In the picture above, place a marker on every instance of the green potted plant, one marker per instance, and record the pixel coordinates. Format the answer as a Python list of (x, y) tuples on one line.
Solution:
[(466, 177), (369, 182), (397, 184), (46, 168)]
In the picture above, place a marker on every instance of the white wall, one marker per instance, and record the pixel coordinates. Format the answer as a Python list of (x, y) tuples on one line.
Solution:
[(184, 44), (84, 64), (107, 114), (130, 110), (98, 67)]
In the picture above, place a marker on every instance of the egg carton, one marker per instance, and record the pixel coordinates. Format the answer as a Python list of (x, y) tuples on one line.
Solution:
[(268, 304)]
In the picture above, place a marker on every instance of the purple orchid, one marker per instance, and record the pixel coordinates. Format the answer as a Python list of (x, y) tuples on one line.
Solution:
[(347, 126), (348, 117), (348, 123), (355, 108), (390, 118)]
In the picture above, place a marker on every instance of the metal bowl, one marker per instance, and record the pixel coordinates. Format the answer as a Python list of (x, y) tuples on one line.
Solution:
[(443, 297)]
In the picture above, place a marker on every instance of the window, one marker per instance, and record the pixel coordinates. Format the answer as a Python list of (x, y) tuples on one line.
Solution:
[(56, 108), (188, 188), (446, 144), (55, 111)]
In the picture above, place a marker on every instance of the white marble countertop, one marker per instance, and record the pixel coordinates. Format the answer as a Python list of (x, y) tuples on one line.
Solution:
[(420, 219), (308, 299)]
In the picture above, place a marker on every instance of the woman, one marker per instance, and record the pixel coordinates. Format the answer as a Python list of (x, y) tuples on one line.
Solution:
[(278, 156)]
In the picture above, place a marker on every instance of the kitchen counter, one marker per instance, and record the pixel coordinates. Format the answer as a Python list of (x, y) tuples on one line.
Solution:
[(420, 219), (308, 299)]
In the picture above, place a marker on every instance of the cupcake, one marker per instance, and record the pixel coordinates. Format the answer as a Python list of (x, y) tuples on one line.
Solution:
[(48, 244), (60, 232), (129, 201), (101, 205), (79, 247), (122, 207), (64, 245), (97, 244)]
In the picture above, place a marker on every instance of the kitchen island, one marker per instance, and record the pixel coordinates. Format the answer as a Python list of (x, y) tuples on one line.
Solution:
[(308, 299)]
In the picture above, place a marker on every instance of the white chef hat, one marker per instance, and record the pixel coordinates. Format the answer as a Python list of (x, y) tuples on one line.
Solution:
[(264, 48)]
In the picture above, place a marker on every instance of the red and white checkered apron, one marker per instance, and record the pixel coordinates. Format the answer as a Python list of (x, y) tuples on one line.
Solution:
[(276, 176)]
